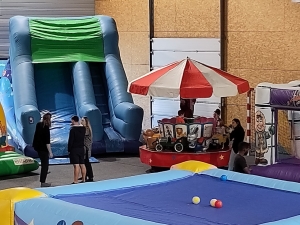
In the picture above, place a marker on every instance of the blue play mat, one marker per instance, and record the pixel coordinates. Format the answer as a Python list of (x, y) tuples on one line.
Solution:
[(61, 161)]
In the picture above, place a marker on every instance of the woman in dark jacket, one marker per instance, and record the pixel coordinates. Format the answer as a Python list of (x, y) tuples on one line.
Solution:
[(41, 143), (88, 141), (236, 136)]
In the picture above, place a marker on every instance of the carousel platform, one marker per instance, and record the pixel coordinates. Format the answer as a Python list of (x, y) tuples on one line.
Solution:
[(218, 158)]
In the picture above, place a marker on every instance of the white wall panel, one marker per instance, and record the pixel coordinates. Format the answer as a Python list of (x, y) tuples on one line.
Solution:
[(168, 50), (186, 44), (162, 58)]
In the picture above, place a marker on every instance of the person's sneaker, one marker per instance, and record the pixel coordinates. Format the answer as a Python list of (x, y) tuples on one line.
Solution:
[(45, 185), (89, 180)]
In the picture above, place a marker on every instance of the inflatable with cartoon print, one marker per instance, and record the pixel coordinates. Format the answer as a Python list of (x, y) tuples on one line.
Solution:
[(11, 162), (18, 221)]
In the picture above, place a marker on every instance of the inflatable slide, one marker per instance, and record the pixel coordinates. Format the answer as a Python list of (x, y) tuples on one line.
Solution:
[(68, 66)]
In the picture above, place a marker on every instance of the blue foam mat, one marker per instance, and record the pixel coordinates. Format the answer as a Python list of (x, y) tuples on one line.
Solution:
[(162, 203), (62, 161), (62, 209)]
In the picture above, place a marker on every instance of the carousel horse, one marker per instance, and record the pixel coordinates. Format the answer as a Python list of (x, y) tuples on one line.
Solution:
[(150, 136), (193, 137)]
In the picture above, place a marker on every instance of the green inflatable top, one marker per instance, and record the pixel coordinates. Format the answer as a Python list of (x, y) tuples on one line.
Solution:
[(66, 40), (13, 163)]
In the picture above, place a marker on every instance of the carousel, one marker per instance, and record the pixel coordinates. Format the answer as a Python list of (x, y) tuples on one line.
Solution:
[(195, 137)]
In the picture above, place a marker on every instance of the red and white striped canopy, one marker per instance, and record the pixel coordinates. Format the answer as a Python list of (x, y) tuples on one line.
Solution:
[(188, 79)]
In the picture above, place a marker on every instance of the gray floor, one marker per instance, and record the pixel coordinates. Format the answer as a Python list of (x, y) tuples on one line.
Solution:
[(108, 168)]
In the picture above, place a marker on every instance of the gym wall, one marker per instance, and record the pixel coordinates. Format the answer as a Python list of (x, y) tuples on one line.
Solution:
[(263, 45), (177, 19), (262, 38)]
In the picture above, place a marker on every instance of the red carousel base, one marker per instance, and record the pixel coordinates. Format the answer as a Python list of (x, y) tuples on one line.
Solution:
[(7, 148), (168, 159)]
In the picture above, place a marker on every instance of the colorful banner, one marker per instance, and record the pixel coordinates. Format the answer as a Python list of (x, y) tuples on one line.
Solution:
[(285, 97)]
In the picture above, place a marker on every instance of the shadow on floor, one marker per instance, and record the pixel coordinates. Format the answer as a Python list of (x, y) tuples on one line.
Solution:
[(11, 177), (113, 157)]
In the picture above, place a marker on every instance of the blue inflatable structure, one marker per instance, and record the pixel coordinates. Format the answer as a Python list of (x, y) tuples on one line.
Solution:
[(160, 199), (68, 66)]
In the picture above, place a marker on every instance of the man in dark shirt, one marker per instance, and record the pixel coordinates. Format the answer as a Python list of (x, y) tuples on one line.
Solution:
[(76, 148), (240, 164)]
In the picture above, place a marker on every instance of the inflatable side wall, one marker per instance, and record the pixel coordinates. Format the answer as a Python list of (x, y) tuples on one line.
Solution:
[(263, 123), (126, 118)]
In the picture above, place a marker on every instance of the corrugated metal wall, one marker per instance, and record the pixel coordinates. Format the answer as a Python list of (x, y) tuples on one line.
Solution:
[(45, 8)]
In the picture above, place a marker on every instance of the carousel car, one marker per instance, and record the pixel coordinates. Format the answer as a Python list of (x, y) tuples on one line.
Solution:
[(168, 143), (186, 136)]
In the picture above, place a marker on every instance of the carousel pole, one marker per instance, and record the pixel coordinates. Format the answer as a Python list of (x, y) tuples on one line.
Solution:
[(151, 36), (249, 115), (223, 42)]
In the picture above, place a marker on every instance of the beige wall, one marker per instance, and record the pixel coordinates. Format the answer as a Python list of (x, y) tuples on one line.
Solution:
[(181, 18), (263, 46), (172, 19), (262, 39)]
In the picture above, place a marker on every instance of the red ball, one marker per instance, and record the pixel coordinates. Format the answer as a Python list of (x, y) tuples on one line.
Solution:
[(218, 204)]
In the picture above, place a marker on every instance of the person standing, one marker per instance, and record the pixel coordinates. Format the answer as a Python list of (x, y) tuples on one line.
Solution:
[(240, 163), (41, 143), (184, 106), (217, 117), (88, 141), (76, 148), (236, 137), (218, 122)]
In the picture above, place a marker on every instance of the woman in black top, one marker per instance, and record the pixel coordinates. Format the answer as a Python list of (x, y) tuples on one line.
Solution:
[(88, 141), (41, 143), (236, 136)]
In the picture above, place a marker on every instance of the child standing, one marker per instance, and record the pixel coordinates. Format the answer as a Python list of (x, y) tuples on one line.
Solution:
[(240, 164), (179, 118), (237, 136)]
